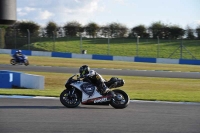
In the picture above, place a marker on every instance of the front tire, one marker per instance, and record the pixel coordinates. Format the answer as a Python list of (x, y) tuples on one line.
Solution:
[(12, 61), (121, 100), (26, 62), (70, 100)]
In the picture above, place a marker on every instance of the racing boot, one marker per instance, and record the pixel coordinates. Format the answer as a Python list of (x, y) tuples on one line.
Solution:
[(107, 91)]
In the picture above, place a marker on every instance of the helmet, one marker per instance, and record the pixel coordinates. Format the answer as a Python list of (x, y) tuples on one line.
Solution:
[(19, 51), (84, 70)]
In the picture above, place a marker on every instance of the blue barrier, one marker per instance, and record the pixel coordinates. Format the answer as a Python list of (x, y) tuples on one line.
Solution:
[(59, 54), (17, 79), (5, 80), (102, 57), (142, 59), (189, 62)]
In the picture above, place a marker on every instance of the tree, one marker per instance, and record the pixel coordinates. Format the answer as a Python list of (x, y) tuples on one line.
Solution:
[(189, 33), (176, 32), (117, 30), (72, 28), (139, 30), (104, 30), (159, 29), (92, 29), (24, 26), (51, 29), (198, 32)]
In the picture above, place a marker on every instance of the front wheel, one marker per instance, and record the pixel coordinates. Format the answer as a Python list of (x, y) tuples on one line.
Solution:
[(121, 99), (26, 62), (70, 100), (12, 61)]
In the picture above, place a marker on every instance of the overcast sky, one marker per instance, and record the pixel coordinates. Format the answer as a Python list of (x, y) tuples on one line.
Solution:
[(128, 12)]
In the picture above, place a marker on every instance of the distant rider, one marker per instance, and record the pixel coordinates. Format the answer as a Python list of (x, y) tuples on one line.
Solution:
[(95, 78), (18, 56)]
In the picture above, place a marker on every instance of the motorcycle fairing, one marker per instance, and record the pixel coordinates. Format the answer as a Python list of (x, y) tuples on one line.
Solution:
[(88, 88), (87, 98)]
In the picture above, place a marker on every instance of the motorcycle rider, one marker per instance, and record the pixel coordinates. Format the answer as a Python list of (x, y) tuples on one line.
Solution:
[(18, 55), (95, 78)]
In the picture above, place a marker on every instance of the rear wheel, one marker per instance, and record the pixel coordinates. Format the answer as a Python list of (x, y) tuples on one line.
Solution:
[(70, 100), (121, 99), (12, 61)]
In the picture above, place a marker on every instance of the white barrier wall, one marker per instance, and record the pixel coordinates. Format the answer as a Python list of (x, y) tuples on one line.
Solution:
[(5, 51), (32, 81), (167, 61), (41, 53)]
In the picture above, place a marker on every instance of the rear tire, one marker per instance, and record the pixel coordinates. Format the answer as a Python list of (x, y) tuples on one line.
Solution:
[(68, 100), (120, 104), (12, 61)]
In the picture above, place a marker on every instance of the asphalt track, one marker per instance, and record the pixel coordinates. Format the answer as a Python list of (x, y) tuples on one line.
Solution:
[(146, 73), (49, 116)]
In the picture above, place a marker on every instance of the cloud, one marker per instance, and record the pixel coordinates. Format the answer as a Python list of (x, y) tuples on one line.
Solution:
[(60, 11), (24, 11), (44, 15)]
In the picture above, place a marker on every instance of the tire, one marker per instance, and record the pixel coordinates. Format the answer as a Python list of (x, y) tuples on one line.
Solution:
[(26, 62), (70, 101), (12, 61), (120, 104)]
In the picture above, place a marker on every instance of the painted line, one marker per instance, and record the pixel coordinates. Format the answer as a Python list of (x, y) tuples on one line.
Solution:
[(134, 101)]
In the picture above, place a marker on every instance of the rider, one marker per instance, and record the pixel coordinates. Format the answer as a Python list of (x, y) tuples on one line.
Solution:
[(94, 78), (18, 55)]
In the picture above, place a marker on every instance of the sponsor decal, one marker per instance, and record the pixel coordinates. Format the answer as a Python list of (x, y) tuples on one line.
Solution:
[(101, 100)]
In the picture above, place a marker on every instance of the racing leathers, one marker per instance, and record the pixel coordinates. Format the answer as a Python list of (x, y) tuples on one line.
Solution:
[(96, 79)]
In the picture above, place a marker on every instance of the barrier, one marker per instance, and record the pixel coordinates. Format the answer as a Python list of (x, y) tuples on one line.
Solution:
[(5, 80), (104, 57), (20, 80)]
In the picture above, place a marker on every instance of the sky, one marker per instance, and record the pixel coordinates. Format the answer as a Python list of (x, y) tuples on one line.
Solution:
[(127, 12)]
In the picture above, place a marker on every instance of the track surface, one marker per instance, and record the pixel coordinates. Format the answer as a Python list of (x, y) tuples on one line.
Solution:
[(49, 116), (168, 74)]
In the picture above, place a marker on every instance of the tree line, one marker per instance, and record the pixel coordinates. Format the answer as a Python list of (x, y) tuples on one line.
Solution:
[(92, 29)]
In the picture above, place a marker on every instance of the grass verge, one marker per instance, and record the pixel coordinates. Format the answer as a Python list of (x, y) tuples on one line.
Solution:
[(139, 88)]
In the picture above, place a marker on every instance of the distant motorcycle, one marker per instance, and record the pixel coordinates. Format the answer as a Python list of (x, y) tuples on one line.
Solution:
[(23, 61), (79, 91)]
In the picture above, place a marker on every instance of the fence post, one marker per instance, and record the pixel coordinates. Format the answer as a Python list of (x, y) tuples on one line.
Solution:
[(108, 48), (53, 41), (80, 42), (158, 47), (137, 45), (28, 39)]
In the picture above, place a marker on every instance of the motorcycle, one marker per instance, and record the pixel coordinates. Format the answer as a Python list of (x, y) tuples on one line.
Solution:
[(80, 91), (23, 61)]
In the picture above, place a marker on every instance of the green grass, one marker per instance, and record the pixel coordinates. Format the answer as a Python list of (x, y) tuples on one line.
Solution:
[(139, 88), (145, 88), (120, 47)]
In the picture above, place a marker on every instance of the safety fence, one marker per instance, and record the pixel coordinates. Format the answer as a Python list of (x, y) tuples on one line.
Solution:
[(127, 46)]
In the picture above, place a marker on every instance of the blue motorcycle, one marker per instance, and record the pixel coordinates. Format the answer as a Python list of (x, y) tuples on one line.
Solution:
[(23, 60)]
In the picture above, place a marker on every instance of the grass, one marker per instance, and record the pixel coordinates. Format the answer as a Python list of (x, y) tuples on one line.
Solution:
[(120, 47), (145, 88)]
